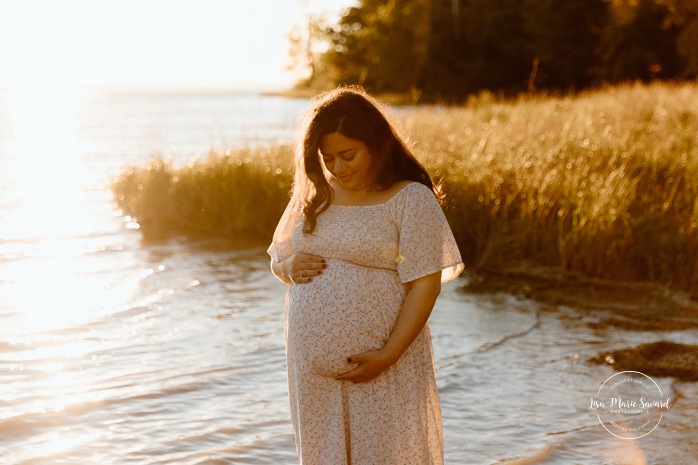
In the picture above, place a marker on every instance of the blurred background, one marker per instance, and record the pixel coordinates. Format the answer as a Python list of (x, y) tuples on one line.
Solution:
[(449, 49), (145, 158)]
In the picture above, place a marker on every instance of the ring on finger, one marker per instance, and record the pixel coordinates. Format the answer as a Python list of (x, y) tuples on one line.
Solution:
[(302, 273)]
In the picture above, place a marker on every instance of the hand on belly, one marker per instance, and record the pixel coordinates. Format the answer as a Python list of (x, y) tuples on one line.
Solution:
[(346, 311)]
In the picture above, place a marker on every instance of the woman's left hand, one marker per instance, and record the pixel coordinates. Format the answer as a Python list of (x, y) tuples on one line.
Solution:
[(371, 364)]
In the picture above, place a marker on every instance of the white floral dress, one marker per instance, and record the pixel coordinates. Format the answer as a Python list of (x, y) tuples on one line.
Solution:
[(371, 252)]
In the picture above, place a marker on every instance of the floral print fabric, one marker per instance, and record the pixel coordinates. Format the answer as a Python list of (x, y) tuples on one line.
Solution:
[(371, 251)]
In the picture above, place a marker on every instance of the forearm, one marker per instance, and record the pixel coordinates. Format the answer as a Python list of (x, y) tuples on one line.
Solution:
[(279, 270), (414, 314)]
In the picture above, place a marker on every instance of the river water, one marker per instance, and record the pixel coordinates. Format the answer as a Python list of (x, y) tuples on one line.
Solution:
[(116, 350)]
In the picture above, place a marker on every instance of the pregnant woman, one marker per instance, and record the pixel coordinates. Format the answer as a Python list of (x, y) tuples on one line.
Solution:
[(364, 246)]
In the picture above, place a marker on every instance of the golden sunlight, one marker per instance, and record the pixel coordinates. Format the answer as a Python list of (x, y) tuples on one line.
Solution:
[(51, 294), (47, 205), (217, 43), (47, 216), (43, 164)]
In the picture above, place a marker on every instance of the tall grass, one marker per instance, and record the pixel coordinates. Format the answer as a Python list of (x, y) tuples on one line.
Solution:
[(239, 194), (604, 183)]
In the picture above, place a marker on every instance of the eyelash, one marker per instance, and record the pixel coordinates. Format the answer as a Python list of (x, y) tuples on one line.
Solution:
[(330, 159)]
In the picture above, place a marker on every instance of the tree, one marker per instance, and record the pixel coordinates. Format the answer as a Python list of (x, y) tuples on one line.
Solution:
[(475, 45), (381, 45), (565, 37), (641, 44), (349, 55), (307, 53), (683, 14), (452, 48)]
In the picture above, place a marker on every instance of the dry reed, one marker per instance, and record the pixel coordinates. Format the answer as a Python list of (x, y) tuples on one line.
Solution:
[(604, 183)]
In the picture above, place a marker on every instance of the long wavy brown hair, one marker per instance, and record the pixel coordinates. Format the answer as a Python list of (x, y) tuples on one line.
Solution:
[(355, 114)]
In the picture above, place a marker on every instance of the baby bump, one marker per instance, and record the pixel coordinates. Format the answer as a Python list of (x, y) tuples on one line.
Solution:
[(347, 310)]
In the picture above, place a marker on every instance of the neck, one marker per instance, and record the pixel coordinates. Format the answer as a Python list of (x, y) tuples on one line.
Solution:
[(348, 195)]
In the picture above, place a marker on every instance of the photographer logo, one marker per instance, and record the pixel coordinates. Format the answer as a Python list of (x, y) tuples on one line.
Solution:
[(629, 405)]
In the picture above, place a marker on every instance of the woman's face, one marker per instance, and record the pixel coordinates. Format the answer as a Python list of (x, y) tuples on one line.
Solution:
[(348, 160)]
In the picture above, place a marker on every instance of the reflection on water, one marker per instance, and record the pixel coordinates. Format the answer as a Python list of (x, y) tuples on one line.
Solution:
[(42, 169), (117, 351)]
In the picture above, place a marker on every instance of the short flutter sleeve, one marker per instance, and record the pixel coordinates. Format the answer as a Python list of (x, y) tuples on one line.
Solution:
[(280, 247), (426, 242)]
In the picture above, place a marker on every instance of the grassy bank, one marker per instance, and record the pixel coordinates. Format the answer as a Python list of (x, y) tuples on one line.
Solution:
[(604, 183), (236, 194)]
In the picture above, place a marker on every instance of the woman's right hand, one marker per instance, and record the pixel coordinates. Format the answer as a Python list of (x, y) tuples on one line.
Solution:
[(301, 268)]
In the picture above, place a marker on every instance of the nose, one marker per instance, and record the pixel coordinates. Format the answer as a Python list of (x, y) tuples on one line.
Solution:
[(338, 166)]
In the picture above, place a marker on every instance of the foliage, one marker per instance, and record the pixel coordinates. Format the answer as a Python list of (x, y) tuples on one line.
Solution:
[(603, 184), (381, 45), (683, 15), (479, 45), (449, 49), (643, 47), (308, 54), (236, 194), (565, 37)]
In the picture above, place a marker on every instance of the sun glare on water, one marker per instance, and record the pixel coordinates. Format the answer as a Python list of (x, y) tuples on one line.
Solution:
[(44, 208), (50, 285), (42, 164), (50, 215)]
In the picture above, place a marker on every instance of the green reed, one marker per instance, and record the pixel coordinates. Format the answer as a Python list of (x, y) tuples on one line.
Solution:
[(604, 183)]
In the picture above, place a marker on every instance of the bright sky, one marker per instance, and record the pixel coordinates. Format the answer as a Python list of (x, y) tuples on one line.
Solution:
[(201, 43)]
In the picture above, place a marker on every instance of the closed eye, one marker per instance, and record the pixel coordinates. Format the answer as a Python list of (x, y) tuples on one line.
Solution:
[(346, 155)]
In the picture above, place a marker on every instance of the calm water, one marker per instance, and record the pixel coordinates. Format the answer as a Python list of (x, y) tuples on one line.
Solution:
[(113, 350)]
